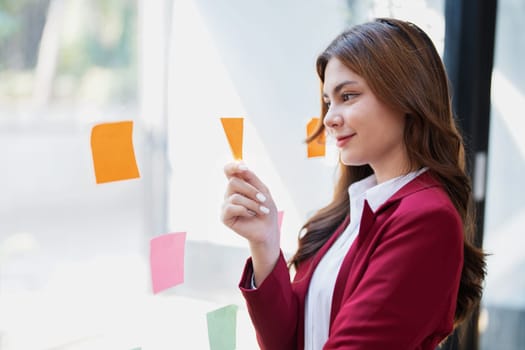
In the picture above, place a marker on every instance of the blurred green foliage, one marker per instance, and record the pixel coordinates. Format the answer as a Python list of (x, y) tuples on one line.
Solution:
[(8, 24), (21, 24), (97, 40), (94, 46)]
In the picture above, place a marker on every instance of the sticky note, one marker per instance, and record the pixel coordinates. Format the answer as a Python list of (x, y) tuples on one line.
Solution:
[(280, 215), (316, 148), (113, 154), (233, 128), (222, 324), (167, 260)]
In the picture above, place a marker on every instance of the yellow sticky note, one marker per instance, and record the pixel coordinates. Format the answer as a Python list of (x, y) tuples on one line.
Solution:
[(233, 128), (316, 148), (113, 154)]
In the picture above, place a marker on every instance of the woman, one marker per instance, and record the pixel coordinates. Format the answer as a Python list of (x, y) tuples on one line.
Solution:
[(389, 263)]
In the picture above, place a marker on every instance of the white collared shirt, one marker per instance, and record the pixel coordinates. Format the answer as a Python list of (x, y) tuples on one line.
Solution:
[(319, 297)]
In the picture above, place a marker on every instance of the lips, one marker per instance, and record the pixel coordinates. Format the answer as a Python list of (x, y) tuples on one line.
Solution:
[(342, 140)]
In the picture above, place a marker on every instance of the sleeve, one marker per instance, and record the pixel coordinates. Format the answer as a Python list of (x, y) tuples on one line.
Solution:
[(273, 307), (407, 296)]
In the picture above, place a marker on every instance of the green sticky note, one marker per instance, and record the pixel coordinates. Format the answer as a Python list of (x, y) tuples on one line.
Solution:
[(222, 324)]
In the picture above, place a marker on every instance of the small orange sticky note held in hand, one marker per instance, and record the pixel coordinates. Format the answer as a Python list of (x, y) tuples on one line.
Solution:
[(233, 127), (316, 148), (113, 154)]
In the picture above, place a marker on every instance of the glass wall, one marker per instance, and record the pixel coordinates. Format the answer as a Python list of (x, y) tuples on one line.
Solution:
[(72, 253), (74, 264), (503, 316)]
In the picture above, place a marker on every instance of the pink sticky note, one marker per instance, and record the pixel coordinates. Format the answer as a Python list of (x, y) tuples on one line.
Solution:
[(280, 215), (167, 260)]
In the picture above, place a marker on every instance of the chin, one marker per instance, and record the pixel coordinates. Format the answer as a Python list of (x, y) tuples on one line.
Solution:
[(351, 161)]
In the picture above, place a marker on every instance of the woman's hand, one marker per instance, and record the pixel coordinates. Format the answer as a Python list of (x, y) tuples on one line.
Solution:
[(249, 210)]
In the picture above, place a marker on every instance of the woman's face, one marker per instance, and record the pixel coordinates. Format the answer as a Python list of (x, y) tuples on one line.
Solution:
[(365, 129)]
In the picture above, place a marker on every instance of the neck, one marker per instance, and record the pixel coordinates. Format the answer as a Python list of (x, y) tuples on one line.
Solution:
[(394, 167)]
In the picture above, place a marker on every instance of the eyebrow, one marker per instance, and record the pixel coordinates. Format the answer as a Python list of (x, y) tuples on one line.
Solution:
[(340, 86)]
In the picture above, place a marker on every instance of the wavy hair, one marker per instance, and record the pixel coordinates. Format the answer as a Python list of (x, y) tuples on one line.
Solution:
[(403, 69)]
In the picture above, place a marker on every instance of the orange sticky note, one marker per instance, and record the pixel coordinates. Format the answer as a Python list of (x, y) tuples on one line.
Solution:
[(113, 154), (280, 215), (233, 127), (167, 260), (316, 148)]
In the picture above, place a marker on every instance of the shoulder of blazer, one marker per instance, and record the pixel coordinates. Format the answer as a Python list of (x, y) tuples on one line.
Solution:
[(421, 183)]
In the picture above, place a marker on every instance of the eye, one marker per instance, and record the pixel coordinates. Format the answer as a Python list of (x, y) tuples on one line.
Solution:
[(348, 96), (327, 103)]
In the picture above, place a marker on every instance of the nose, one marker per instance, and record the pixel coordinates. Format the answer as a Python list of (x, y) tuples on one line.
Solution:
[(332, 120)]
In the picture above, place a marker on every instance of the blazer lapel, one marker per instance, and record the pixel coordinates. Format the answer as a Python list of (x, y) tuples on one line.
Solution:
[(308, 271), (367, 220), (304, 275)]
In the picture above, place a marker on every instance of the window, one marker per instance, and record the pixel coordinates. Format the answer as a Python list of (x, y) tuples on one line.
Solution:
[(74, 271)]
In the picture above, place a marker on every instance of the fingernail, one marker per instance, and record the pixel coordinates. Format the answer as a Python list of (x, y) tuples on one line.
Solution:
[(242, 167), (261, 197), (264, 209)]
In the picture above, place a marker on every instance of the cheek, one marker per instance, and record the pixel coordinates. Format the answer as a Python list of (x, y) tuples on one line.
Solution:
[(392, 135), (390, 122), (383, 133), (398, 127)]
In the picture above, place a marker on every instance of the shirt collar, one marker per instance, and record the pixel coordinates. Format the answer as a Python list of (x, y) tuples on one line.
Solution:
[(377, 194)]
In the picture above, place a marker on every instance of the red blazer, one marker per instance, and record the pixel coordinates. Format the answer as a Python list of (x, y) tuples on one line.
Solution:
[(397, 286)]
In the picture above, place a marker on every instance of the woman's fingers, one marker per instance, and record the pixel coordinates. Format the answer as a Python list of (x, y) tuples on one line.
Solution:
[(232, 212), (241, 171), (233, 168), (250, 177), (237, 199), (238, 185)]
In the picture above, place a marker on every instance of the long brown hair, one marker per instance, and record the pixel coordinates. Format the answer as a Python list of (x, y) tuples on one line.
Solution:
[(403, 69)]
